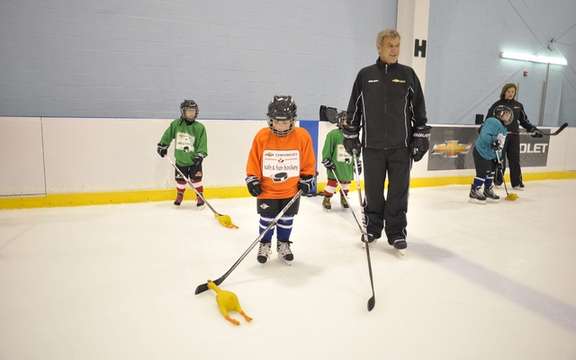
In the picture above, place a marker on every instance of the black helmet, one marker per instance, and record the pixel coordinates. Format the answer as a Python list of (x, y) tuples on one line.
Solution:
[(186, 105), (281, 108), (499, 112)]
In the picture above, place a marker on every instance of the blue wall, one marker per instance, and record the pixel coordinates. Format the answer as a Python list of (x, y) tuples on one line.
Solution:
[(465, 73), (140, 58)]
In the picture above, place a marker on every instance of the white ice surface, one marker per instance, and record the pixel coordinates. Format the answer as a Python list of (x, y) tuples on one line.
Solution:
[(117, 282)]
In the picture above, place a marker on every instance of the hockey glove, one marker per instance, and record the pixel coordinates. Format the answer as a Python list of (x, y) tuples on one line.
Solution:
[(420, 142), (162, 150), (536, 133), (253, 184), (306, 183), (328, 164), (498, 143), (352, 144), (197, 162)]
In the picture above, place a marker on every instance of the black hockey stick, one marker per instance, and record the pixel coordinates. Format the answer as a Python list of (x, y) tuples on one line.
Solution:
[(372, 300), (351, 210), (203, 287), (328, 113), (558, 131)]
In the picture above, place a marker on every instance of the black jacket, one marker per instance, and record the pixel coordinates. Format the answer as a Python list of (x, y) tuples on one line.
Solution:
[(387, 103), (520, 116)]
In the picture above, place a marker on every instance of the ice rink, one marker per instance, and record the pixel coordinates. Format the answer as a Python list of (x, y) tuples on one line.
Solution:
[(495, 281)]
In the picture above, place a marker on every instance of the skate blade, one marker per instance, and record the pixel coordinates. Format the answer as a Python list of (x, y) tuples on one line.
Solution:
[(476, 201), (285, 262), (401, 252)]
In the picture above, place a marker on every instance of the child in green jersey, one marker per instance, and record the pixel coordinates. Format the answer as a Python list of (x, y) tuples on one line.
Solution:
[(190, 149)]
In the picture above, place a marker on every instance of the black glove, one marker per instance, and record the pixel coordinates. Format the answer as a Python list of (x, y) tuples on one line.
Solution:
[(197, 162), (420, 142), (536, 133), (352, 143), (162, 150), (306, 183), (328, 164), (253, 184)]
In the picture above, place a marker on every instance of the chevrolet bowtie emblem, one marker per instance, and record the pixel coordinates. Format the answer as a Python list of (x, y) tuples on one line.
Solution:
[(450, 149)]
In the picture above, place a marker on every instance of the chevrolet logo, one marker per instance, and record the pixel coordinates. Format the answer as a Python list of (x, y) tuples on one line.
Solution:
[(450, 149)]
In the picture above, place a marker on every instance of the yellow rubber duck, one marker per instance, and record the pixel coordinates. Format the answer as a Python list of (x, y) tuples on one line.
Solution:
[(227, 302)]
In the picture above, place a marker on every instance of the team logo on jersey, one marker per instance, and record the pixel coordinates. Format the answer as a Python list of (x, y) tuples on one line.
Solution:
[(373, 81), (280, 177), (264, 206), (280, 165), (399, 81), (451, 149)]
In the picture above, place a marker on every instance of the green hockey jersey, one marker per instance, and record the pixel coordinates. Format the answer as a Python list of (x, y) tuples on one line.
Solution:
[(190, 140), (334, 151)]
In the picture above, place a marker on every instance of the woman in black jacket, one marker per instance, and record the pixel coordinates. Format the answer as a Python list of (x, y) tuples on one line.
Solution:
[(511, 149)]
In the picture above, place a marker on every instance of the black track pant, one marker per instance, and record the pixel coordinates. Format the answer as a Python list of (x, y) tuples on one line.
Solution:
[(394, 164), (511, 152)]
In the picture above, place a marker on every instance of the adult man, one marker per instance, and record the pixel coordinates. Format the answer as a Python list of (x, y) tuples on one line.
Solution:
[(387, 104)]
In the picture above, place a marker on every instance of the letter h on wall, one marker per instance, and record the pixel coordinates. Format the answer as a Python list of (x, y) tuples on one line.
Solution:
[(419, 48)]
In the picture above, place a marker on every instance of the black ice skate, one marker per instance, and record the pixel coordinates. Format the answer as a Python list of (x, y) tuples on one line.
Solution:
[(476, 196), (263, 252)]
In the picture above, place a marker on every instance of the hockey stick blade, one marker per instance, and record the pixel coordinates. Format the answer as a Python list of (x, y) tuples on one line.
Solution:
[(554, 133), (204, 287), (328, 113), (371, 303), (562, 127)]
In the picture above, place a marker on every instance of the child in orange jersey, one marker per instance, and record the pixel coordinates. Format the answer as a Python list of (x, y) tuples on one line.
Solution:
[(281, 161)]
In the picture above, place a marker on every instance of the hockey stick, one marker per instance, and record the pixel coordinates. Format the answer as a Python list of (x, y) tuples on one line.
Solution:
[(558, 131), (341, 191), (372, 300), (328, 113), (203, 287), (509, 196), (224, 220)]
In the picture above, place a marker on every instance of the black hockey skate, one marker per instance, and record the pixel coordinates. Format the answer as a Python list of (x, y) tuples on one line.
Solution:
[(284, 252), (326, 203), (263, 252), (490, 195), (476, 196)]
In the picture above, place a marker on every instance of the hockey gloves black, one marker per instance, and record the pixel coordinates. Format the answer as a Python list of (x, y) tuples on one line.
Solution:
[(420, 142), (328, 164), (536, 133), (306, 184), (352, 143), (253, 184), (197, 162), (162, 150)]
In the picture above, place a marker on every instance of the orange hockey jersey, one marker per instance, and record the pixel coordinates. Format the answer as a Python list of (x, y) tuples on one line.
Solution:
[(278, 161)]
